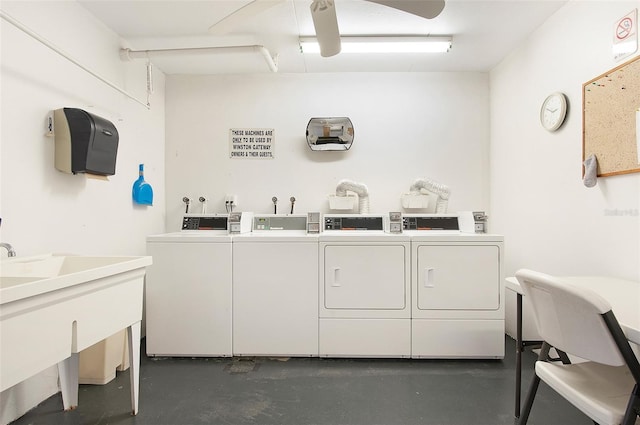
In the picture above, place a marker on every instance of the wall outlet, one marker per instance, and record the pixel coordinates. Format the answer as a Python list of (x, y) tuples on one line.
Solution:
[(231, 200)]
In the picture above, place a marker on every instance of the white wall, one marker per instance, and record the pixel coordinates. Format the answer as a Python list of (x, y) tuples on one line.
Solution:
[(42, 209), (551, 221), (434, 125), (407, 125)]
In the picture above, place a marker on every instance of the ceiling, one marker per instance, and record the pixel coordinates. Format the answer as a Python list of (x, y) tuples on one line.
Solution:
[(483, 31)]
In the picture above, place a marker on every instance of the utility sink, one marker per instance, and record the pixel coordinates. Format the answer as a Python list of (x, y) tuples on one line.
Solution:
[(54, 306), (21, 277)]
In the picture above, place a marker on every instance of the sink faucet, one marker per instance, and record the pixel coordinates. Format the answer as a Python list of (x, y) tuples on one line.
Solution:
[(10, 251)]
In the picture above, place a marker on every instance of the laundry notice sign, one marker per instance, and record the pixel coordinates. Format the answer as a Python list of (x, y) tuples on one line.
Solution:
[(251, 143)]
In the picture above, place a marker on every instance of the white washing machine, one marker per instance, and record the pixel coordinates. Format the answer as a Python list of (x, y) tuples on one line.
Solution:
[(188, 289), (457, 288), (364, 288), (275, 288)]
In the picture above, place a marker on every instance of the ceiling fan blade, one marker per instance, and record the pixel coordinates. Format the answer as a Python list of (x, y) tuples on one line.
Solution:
[(325, 22), (249, 10), (428, 9)]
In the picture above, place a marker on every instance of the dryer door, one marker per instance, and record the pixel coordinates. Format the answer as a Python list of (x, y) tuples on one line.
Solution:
[(457, 277), (364, 277)]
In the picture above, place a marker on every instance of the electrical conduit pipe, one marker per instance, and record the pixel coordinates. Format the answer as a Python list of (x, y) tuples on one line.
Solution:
[(128, 54)]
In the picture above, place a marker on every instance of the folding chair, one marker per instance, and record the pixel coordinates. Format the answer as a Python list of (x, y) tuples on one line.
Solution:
[(606, 387)]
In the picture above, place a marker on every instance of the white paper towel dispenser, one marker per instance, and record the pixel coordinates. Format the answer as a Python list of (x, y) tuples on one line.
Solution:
[(84, 142)]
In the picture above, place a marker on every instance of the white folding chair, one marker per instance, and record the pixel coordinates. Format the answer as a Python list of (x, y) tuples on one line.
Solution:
[(606, 387)]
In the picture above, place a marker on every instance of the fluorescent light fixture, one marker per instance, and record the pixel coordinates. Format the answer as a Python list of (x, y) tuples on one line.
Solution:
[(387, 44)]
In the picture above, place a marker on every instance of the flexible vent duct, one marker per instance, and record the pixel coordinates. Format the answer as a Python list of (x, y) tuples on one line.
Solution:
[(357, 188), (441, 190)]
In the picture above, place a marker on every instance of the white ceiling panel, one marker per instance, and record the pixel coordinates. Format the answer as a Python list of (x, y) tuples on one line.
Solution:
[(483, 31)]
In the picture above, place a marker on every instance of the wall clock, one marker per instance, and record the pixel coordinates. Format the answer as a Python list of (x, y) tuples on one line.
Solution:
[(553, 111)]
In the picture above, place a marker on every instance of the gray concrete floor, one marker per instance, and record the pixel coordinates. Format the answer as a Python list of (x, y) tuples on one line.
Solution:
[(180, 391)]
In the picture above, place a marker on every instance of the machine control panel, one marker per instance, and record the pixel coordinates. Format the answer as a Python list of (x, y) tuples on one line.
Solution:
[(240, 222), (480, 221), (354, 223), (280, 223), (395, 222), (430, 223), (205, 222), (313, 222)]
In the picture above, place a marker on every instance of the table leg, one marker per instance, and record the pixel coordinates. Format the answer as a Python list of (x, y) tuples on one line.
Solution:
[(133, 335), (68, 372), (519, 347)]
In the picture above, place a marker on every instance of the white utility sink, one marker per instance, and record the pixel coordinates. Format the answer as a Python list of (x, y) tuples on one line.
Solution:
[(54, 306), (22, 277)]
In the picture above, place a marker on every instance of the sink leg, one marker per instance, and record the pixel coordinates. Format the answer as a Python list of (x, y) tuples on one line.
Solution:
[(68, 372), (133, 335)]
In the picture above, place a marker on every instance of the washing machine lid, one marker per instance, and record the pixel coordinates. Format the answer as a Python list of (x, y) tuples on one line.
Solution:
[(276, 236), (192, 236)]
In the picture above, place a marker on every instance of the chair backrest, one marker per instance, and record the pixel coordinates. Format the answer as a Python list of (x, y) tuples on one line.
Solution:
[(570, 318)]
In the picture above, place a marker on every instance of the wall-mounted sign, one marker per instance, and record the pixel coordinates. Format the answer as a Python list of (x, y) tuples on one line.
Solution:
[(625, 35), (251, 143)]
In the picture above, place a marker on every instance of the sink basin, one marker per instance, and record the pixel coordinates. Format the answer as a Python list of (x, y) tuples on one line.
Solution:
[(7, 281), (54, 306), (23, 270), (53, 265), (26, 276)]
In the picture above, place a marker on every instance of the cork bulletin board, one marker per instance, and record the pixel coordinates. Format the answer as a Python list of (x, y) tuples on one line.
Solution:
[(609, 105)]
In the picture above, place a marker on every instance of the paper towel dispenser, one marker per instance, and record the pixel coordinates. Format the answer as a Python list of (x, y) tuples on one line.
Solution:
[(84, 142)]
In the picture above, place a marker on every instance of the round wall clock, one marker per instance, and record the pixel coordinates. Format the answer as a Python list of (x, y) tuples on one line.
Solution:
[(553, 111)]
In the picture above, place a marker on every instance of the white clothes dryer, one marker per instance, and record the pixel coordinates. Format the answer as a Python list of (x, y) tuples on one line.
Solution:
[(457, 285), (364, 289)]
